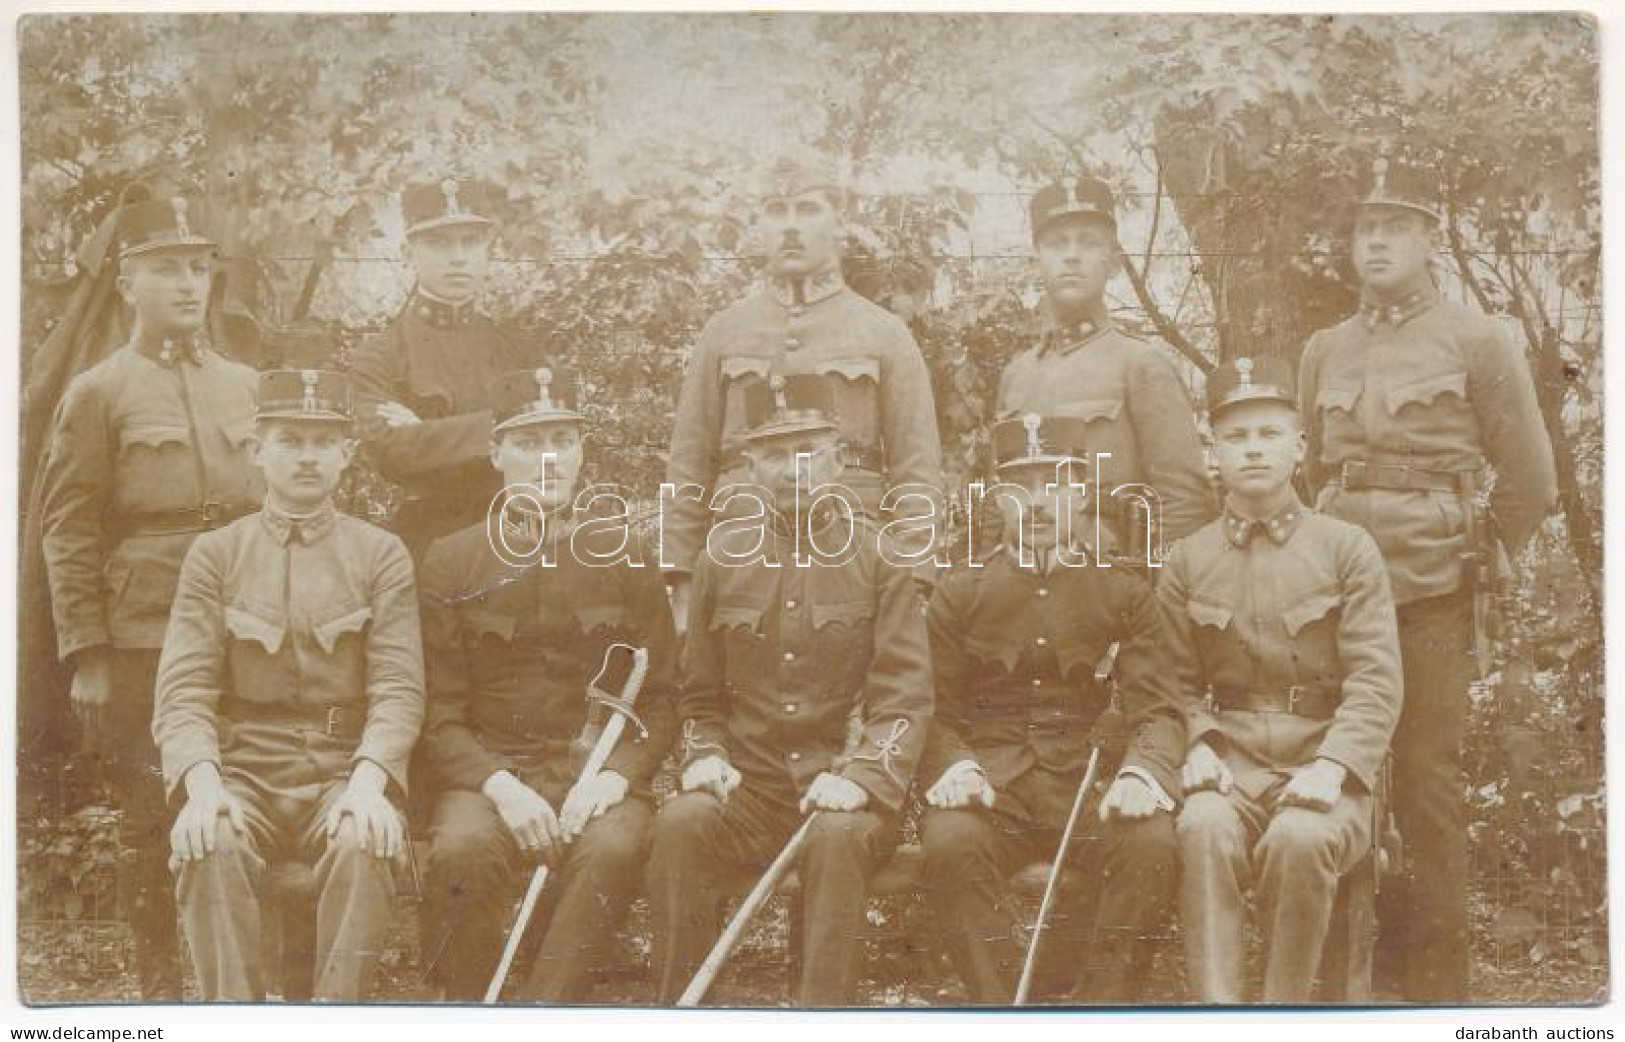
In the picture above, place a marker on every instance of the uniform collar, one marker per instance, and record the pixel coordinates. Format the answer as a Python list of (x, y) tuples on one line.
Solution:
[(171, 350), (1239, 530), (1065, 337), (526, 529), (1400, 311), (1013, 559), (287, 528), (438, 313), (820, 285)]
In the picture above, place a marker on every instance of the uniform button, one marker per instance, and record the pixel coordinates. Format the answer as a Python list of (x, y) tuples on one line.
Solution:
[(790, 605), (795, 757), (789, 656), (790, 707), (1041, 642), (1037, 682), (792, 342), (1043, 591)]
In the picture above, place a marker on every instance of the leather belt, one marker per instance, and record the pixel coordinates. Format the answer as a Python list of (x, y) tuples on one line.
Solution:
[(204, 518), (1314, 701), (870, 458), (336, 720), (1362, 474)]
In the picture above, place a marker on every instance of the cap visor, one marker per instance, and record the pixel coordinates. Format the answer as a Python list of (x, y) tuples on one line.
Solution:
[(537, 419), (189, 242), (448, 221), (304, 416)]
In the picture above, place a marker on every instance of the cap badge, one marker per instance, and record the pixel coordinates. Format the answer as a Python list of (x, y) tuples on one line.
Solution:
[(780, 401), (1032, 422), (448, 188), (178, 204), (310, 377), (1244, 369), (1379, 170), (544, 380)]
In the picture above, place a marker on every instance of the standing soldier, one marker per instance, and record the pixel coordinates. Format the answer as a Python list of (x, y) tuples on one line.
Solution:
[(1084, 367), (807, 687), (805, 320), (1407, 403), (1282, 619), (290, 693), (149, 450), (510, 649), (1016, 644), (427, 383)]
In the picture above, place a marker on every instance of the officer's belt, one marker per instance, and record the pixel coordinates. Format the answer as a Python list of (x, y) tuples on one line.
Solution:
[(1397, 474), (189, 519), (1315, 701), (336, 720), (870, 458)]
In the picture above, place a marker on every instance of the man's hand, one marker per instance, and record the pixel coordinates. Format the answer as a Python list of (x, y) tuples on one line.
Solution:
[(92, 689), (833, 792), (960, 786), (378, 826), (713, 774), (1316, 787), (192, 836), (525, 811), (394, 414), (1132, 798), (590, 799), (1204, 770), (680, 588)]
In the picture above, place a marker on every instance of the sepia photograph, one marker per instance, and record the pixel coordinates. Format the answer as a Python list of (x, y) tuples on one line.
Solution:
[(822, 510)]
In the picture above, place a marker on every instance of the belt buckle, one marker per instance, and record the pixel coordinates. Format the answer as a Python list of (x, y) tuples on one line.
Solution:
[(1208, 701), (1354, 473), (212, 512), (332, 720), (1293, 693)]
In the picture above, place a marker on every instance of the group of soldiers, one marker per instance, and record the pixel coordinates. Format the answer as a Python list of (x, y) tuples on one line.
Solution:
[(266, 675)]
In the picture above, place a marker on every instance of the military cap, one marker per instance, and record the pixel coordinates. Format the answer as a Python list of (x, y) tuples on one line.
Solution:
[(1032, 440), (1404, 185), (157, 224), (532, 396), (450, 201), (304, 394), (794, 403), (1084, 196), (797, 172), (1250, 380)]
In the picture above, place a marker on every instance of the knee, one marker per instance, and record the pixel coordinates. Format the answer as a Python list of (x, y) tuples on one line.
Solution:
[(1147, 843), (234, 853), (956, 842), (1207, 822), (1299, 839), (686, 819), (615, 842), (843, 833), (464, 843)]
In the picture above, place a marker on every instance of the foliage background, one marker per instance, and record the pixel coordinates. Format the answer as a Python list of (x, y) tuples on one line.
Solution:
[(626, 145)]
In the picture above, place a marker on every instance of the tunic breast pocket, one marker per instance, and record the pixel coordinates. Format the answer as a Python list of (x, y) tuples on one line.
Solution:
[(603, 621), (857, 405), (256, 639), (349, 624), (843, 638), (738, 628), (155, 468), (1312, 621)]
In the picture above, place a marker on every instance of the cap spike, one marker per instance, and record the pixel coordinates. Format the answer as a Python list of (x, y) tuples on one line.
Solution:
[(448, 188), (1035, 445)]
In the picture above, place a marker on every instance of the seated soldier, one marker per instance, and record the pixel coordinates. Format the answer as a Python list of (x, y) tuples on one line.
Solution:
[(290, 692), (1286, 619), (1015, 644), (787, 653), (511, 646)]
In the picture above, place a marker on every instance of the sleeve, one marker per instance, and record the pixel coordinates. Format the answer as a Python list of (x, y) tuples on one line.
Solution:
[(945, 624), (1149, 686), (1368, 646), (1314, 470), (1503, 394), (913, 446), (898, 697), (403, 453), (191, 668), (1184, 659), (456, 757), (702, 706), (394, 665), (635, 758), (695, 437), (1170, 448), (75, 501)]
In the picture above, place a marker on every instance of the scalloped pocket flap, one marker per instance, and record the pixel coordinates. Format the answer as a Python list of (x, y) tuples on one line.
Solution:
[(600, 616), (737, 366), (151, 435), (1208, 614), (328, 633), (1337, 396), (245, 625), (729, 616), (848, 613), (849, 368), (1308, 610), (1424, 391)]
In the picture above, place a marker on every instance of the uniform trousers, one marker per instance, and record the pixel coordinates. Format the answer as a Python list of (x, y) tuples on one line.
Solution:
[(1422, 915), (1115, 893), (476, 866), (219, 895), (130, 766), (702, 843), (1296, 857)]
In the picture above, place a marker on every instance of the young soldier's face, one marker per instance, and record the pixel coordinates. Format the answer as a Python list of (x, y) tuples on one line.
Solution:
[(451, 262), (1039, 497), (774, 463), (1257, 445), (544, 457), (1076, 258), (1392, 245), (802, 233), (302, 460), (169, 289)]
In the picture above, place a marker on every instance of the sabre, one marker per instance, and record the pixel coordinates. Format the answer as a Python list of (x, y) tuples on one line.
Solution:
[(1025, 983), (595, 763)]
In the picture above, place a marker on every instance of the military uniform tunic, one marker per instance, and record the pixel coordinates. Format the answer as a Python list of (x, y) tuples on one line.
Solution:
[(1015, 653), (885, 411), (1398, 400), (443, 362), (292, 654), (1283, 630), (510, 650), (790, 672)]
